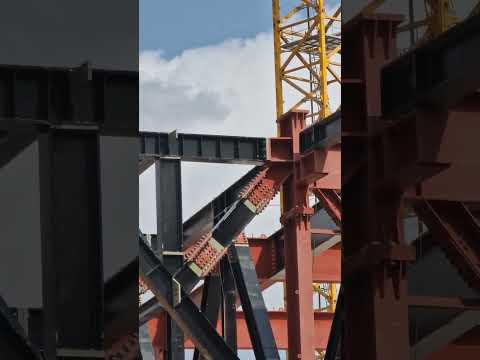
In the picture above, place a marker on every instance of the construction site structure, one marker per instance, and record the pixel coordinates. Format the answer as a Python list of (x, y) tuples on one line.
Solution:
[(305, 160), (396, 216), (307, 45)]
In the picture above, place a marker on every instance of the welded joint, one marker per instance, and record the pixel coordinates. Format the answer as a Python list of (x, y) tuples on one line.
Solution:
[(298, 212)]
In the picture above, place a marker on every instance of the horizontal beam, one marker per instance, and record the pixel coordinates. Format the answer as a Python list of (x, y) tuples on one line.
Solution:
[(444, 302), (322, 134), (440, 73), (73, 96), (440, 338), (267, 255), (202, 148), (278, 321)]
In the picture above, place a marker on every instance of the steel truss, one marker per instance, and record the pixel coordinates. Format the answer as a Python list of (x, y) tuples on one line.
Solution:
[(67, 110), (208, 236)]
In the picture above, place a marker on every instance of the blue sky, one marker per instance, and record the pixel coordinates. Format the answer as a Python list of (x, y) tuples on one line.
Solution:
[(174, 26), (217, 86)]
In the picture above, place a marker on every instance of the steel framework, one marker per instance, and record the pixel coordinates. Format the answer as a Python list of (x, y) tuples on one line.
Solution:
[(390, 262), (69, 112)]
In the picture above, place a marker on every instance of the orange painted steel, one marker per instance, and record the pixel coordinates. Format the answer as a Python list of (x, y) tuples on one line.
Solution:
[(278, 320)]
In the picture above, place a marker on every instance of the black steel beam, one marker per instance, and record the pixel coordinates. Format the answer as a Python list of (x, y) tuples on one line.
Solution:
[(199, 224), (211, 303), (322, 134), (62, 97), (49, 341), (201, 148), (204, 221), (14, 343), (439, 73), (229, 319), (170, 238), (229, 227), (256, 315), (70, 185), (183, 311), (334, 345), (207, 217), (121, 315), (15, 136)]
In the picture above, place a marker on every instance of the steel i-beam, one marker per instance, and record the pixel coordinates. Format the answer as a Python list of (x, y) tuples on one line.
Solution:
[(185, 313), (170, 238), (259, 328)]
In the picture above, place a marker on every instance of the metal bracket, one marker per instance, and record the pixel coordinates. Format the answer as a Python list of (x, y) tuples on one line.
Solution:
[(172, 253), (195, 268), (250, 206), (176, 292)]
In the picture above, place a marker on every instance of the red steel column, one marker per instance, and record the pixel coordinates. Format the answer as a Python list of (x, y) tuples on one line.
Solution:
[(298, 250), (374, 258)]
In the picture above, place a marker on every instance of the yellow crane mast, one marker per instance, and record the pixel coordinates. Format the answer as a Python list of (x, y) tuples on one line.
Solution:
[(307, 48)]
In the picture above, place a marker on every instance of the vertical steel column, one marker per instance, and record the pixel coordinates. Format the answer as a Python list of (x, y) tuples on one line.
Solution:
[(211, 303), (48, 265), (229, 319), (298, 250), (256, 315), (334, 345), (170, 237), (374, 283), (72, 240)]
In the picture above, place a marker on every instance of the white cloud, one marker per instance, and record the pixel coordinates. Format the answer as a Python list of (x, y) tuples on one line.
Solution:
[(224, 89)]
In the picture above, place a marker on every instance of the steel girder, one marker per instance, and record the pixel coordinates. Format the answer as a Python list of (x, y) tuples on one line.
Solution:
[(374, 256), (322, 134), (253, 305), (182, 310), (211, 305), (334, 347), (14, 344), (202, 222), (65, 97), (201, 148), (169, 238), (66, 110), (383, 168), (438, 74)]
